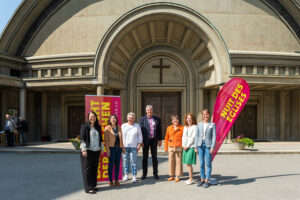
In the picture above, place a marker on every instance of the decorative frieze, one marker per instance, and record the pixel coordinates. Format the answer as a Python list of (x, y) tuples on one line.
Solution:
[(274, 64), (59, 66), (265, 70)]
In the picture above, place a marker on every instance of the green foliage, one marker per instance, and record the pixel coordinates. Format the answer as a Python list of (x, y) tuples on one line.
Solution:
[(75, 142), (249, 142)]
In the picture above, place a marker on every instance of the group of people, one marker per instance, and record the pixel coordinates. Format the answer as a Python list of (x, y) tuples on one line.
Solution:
[(181, 142), (11, 127), (184, 142)]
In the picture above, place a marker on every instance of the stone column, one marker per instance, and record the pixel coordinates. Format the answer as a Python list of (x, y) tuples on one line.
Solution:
[(4, 108), (100, 90), (123, 96), (22, 102), (44, 114), (200, 104), (284, 122), (212, 100)]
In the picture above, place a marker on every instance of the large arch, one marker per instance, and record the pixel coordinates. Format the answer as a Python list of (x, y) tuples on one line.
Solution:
[(210, 36), (167, 30)]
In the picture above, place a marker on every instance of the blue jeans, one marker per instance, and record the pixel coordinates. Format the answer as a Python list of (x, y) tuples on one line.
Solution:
[(114, 161), (130, 156), (204, 151)]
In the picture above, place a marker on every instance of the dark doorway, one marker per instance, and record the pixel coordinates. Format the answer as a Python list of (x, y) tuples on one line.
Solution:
[(164, 106), (246, 123), (75, 119)]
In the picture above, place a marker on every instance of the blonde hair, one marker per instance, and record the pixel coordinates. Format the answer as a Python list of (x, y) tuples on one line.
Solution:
[(174, 117)]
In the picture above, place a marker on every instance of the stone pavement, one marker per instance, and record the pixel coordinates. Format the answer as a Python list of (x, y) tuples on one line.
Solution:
[(41, 176), (226, 148)]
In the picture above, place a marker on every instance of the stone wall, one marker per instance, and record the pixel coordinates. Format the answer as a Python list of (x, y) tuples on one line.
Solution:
[(80, 25)]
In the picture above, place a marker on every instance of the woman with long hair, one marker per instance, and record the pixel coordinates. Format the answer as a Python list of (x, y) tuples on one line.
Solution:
[(188, 144), (114, 148), (91, 147)]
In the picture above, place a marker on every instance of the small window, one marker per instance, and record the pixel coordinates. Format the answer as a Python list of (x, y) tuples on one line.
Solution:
[(15, 73)]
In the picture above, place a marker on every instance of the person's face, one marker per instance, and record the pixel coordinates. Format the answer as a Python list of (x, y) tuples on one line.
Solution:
[(113, 120), (205, 116), (149, 112), (7, 117), (189, 120), (92, 118), (130, 119), (175, 121)]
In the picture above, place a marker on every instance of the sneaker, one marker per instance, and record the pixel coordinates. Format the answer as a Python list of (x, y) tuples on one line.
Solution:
[(134, 179), (156, 176), (188, 182), (200, 183), (125, 178), (144, 177), (206, 185)]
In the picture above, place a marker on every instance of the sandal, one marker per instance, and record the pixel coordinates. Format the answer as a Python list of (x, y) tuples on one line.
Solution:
[(117, 183), (111, 184)]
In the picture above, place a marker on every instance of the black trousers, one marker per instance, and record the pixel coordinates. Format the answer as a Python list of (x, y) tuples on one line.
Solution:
[(153, 148), (10, 138), (89, 166)]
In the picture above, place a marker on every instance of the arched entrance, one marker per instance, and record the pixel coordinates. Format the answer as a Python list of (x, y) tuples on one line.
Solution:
[(132, 56), (161, 78)]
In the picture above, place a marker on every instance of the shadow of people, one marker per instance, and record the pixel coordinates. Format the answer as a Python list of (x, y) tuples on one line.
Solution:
[(234, 180)]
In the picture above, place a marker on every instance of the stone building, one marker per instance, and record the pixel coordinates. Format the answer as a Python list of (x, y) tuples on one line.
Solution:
[(175, 55)]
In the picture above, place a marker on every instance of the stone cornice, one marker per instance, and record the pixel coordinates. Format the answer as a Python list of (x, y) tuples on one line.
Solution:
[(262, 57), (60, 57), (10, 58)]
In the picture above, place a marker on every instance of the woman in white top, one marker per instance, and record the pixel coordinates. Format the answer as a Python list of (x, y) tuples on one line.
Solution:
[(188, 144), (132, 140)]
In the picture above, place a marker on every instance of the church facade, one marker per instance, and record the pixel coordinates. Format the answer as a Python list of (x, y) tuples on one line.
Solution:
[(175, 55)]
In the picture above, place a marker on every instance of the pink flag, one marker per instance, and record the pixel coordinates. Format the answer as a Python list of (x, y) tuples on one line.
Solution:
[(229, 103)]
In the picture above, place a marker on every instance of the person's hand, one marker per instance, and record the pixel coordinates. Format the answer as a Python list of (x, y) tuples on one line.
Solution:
[(196, 150), (108, 154), (101, 153), (84, 153), (185, 148), (211, 151), (138, 147), (159, 143), (123, 151)]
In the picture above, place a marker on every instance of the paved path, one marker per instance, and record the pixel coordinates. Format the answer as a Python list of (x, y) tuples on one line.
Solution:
[(259, 148), (58, 176)]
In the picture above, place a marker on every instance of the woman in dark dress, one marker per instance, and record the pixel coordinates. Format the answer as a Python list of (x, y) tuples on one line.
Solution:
[(91, 147)]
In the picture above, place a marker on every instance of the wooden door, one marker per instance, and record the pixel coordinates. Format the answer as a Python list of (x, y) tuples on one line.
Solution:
[(246, 123), (164, 106), (75, 119)]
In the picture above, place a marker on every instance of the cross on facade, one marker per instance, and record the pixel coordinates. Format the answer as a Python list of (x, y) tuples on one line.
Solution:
[(160, 67)]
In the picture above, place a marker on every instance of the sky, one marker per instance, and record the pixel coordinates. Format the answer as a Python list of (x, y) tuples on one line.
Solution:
[(7, 9)]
